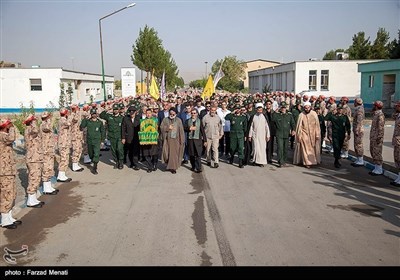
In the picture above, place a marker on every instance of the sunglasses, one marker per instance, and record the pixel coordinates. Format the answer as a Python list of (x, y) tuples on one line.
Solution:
[(194, 113)]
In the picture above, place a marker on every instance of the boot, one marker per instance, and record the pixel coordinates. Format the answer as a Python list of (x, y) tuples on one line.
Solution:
[(48, 189), (86, 159), (6, 222), (15, 222), (241, 163), (337, 164), (231, 160), (95, 168), (121, 164), (62, 178), (76, 167), (32, 201)]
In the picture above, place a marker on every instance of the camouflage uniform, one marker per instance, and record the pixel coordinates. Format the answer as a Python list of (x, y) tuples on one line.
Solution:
[(76, 136), (358, 130), (376, 136), (346, 111), (34, 157), (8, 171), (48, 144), (64, 143), (396, 140)]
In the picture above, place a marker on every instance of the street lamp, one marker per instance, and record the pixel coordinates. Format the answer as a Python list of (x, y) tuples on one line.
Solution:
[(101, 47), (206, 68)]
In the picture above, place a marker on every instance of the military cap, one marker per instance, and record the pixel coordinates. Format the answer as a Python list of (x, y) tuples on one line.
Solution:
[(236, 100), (121, 106), (339, 106), (378, 104), (298, 101), (29, 119), (132, 108), (317, 106), (115, 106), (93, 111), (283, 104), (238, 107), (4, 122), (45, 114), (63, 111)]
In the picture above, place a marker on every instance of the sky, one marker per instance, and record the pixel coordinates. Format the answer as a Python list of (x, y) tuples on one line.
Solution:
[(66, 33)]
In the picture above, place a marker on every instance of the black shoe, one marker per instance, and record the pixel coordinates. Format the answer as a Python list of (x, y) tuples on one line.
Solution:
[(154, 168), (121, 165), (17, 222), (393, 183), (173, 171), (78, 170), (184, 161), (216, 165), (64, 181), (124, 161), (198, 171), (208, 163), (241, 163), (356, 165), (51, 193), (135, 168), (12, 226), (231, 160), (149, 170)]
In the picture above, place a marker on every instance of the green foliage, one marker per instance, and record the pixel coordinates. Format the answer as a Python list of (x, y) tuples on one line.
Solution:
[(117, 84), (61, 100), (394, 47), (380, 50), (149, 54), (69, 94), (361, 47), (19, 119), (331, 55), (234, 70), (198, 83)]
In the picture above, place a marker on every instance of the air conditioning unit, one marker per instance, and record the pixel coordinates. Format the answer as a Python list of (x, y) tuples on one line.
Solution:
[(342, 56)]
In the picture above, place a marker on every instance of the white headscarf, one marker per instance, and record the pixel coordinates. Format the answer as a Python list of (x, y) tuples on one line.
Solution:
[(258, 105), (307, 103)]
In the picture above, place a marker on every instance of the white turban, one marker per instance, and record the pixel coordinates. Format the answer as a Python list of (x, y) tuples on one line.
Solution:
[(258, 105), (307, 103)]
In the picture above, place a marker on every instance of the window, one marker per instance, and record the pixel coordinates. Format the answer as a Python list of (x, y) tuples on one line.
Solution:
[(312, 80), (324, 79), (371, 81), (36, 84)]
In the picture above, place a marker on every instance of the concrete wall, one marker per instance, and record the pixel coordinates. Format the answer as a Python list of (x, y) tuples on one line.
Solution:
[(15, 87), (256, 65)]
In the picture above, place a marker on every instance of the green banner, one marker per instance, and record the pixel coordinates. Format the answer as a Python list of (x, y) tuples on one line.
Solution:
[(148, 134)]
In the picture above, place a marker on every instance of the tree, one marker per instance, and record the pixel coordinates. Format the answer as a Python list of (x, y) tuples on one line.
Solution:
[(361, 47), (61, 100), (394, 47), (117, 84), (234, 71), (69, 94), (379, 49), (331, 55)]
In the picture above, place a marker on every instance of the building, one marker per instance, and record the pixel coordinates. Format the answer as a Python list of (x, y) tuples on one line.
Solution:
[(42, 86), (380, 80), (328, 77), (254, 65)]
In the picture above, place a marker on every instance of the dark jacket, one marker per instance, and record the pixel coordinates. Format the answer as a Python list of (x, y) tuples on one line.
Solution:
[(130, 129)]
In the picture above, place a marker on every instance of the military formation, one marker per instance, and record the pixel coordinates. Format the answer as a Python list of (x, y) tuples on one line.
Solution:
[(183, 128)]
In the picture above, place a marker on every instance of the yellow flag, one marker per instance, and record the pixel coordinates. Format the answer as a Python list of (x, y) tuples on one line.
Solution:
[(208, 89), (154, 89)]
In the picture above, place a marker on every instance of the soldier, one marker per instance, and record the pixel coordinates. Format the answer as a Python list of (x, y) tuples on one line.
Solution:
[(322, 126), (64, 145), (237, 133), (396, 143), (8, 171), (284, 124), (340, 130), (48, 144), (346, 111), (296, 110), (34, 160), (358, 130), (114, 122), (95, 135), (376, 137), (76, 138), (85, 115)]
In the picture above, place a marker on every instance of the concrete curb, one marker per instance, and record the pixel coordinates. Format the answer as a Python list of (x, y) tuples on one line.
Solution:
[(371, 166)]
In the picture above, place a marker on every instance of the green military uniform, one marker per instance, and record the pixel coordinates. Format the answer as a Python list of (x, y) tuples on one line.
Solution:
[(284, 123), (340, 125), (237, 134), (295, 113), (95, 135), (322, 126), (114, 123)]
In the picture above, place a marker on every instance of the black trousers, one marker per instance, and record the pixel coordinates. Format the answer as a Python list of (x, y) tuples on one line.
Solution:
[(133, 153), (152, 161), (248, 149), (225, 143), (337, 143), (270, 148)]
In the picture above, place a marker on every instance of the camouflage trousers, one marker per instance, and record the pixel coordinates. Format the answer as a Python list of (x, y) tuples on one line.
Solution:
[(396, 155), (64, 159), (358, 145), (84, 142), (77, 147), (8, 193), (345, 144), (34, 176), (48, 167), (375, 146)]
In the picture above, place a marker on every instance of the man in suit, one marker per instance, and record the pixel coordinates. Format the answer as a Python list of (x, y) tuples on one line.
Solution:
[(130, 137)]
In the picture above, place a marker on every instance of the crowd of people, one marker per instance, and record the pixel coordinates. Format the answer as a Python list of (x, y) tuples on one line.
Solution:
[(183, 128)]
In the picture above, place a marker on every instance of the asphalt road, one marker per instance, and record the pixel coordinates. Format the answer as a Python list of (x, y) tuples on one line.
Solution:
[(222, 217)]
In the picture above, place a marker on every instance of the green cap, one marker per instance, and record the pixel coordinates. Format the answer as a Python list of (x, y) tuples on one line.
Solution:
[(340, 106), (115, 107), (283, 104), (93, 111), (317, 106), (121, 106)]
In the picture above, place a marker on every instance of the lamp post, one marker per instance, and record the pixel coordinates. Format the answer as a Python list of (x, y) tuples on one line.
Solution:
[(206, 68), (101, 47)]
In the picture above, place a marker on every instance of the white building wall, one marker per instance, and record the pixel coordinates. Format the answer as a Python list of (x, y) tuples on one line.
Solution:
[(15, 87)]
